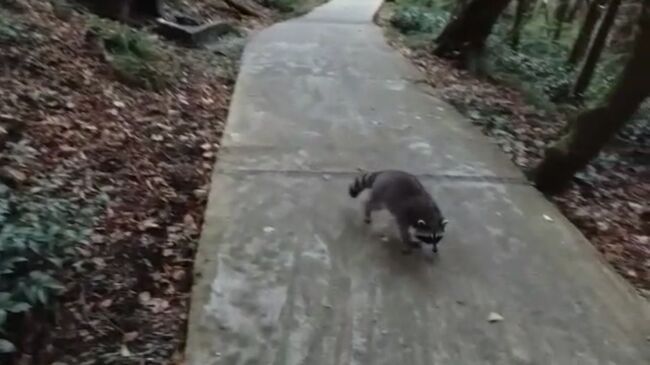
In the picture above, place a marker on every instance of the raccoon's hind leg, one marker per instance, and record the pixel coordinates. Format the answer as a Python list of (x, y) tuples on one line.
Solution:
[(370, 206)]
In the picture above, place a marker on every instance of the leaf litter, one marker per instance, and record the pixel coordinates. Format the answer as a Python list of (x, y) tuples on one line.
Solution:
[(150, 151)]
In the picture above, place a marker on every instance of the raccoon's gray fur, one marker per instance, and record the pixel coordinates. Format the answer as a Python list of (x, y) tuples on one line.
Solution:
[(407, 200)]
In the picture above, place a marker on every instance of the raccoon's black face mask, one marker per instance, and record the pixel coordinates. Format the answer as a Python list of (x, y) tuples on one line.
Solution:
[(430, 234)]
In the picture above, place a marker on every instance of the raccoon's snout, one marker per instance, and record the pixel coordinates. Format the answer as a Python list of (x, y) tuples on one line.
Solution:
[(427, 238)]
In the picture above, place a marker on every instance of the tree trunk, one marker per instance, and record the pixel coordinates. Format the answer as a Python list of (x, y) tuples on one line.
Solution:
[(560, 17), (518, 23), (464, 37), (571, 16), (586, 30), (596, 49), (593, 128), (125, 10)]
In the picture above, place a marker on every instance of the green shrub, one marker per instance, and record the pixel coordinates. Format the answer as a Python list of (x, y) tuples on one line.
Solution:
[(549, 75), (9, 32), (37, 235), (136, 59), (417, 19)]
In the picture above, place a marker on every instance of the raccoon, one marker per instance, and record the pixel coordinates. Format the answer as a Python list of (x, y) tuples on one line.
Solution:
[(403, 195)]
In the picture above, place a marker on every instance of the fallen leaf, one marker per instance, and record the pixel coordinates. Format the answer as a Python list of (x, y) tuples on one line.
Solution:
[(148, 223), (190, 224), (130, 336), (106, 303), (12, 176), (144, 297), (124, 351), (178, 274)]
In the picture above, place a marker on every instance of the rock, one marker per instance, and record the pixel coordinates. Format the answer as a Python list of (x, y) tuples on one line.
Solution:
[(195, 36), (495, 317), (186, 20)]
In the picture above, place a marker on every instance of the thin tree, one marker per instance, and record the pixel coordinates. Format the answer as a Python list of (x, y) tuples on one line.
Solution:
[(594, 128), (464, 37), (577, 5), (586, 30), (596, 49), (560, 17), (520, 14)]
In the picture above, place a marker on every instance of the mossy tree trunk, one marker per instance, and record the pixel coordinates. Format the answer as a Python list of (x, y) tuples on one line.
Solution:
[(596, 49), (586, 30), (463, 38), (594, 128)]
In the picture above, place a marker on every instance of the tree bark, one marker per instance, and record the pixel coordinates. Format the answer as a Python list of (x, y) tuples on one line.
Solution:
[(518, 23), (464, 37), (584, 36), (125, 10), (594, 128)]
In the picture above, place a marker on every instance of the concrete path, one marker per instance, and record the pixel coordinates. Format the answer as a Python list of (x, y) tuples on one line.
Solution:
[(287, 274)]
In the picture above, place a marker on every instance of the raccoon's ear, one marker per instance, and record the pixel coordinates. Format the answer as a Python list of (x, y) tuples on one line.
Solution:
[(443, 223)]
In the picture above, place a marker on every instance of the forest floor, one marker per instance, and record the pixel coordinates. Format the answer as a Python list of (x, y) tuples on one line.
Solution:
[(72, 129), (607, 201)]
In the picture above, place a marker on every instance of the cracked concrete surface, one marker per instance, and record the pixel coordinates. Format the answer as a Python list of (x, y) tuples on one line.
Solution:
[(287, 274)]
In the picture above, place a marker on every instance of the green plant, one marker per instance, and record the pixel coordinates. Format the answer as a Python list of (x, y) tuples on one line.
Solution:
[(37, 235), (417, 19), (136, 59), (9, 32)]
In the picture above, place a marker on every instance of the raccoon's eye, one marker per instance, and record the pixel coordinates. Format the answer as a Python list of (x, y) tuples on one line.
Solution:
[(421, 223)]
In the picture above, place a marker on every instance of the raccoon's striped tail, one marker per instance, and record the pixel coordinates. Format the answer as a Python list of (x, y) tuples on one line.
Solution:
[(364, 181)]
